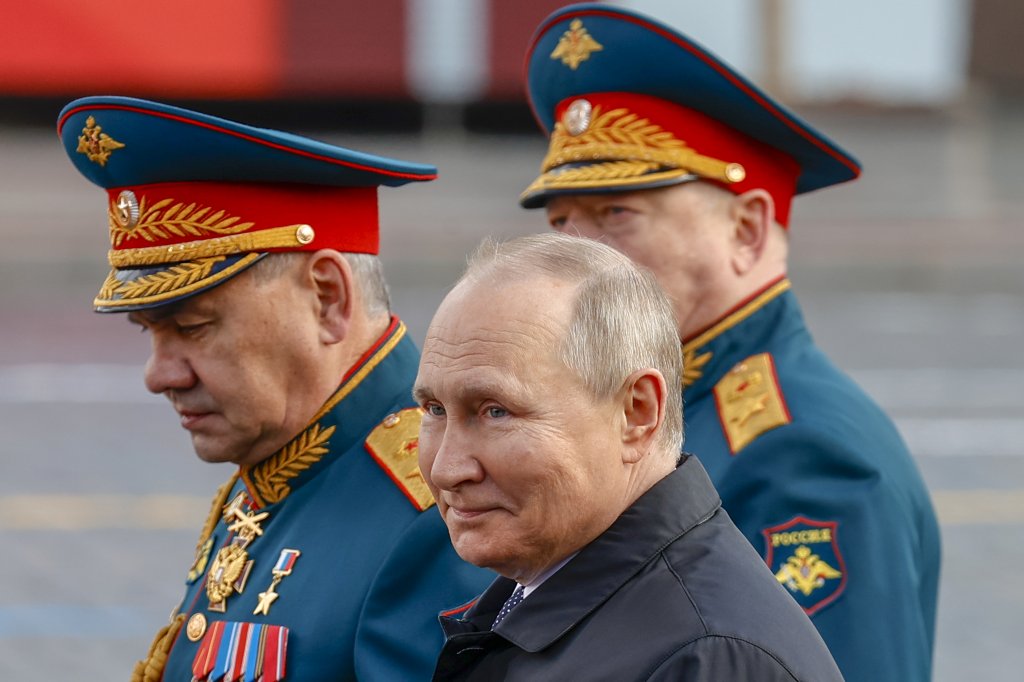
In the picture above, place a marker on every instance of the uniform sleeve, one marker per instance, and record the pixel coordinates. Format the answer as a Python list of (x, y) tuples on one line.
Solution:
[(399, 636), (713, 659), (845, 537)]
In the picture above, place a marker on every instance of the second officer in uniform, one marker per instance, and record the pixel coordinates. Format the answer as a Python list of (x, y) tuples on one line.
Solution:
[(249, 258), (663, 151)]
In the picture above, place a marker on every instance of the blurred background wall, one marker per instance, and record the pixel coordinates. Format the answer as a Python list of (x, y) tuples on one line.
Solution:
[(916, 52), (912, 277)]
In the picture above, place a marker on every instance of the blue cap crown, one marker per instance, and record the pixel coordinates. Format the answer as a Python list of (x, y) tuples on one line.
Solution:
[(194, 199)]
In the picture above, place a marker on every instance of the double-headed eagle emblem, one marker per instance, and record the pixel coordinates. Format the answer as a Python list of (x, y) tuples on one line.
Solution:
[(96, 144), (575, 45), (805, 571)]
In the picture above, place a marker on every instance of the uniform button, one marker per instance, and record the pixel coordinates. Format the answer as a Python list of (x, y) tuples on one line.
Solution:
[(304, 234), (196, 627)]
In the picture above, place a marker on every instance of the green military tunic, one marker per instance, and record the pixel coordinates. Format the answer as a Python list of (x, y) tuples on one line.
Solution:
[(327, 561), (818, 479)]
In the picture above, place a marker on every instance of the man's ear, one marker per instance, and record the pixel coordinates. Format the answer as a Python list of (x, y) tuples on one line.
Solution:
[(643, 402), (753, 217), (332, 282)]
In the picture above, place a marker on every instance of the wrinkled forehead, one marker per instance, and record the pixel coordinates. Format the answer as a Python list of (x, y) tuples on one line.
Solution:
[(500, 299), (506, 325)]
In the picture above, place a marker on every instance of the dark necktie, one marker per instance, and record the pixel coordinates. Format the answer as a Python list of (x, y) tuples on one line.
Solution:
[(510, 603)]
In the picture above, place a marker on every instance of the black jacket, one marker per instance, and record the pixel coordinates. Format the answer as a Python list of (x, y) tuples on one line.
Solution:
[(671, 591)]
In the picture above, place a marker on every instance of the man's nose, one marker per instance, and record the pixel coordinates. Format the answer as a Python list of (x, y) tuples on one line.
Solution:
[(168, 368), (455, 462)]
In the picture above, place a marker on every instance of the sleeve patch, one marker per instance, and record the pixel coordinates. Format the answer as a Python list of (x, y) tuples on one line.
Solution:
[(394, 445), (804, 556), (750, 401)]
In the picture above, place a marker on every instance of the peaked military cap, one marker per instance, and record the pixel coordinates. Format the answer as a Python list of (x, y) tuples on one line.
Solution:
[(630, 103), (193, 199)]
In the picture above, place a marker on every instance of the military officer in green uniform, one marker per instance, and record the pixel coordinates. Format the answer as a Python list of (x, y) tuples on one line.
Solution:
[(249, 258), (663, 151)]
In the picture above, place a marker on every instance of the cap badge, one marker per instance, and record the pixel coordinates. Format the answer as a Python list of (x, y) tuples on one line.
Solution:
[(96, 144), (576, 118), (575, 45), (126, 211)]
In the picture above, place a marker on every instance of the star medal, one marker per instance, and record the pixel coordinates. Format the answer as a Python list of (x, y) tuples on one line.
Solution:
[(283, 567)]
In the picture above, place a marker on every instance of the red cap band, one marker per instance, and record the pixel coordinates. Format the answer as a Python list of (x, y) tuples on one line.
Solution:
[(342, 218), (766, 167)]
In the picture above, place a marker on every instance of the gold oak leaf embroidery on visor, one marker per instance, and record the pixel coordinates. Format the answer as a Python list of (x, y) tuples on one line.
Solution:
[(163, 220), (615, 170), (175, 277), (615, 134), (619, 144), (110, 286)]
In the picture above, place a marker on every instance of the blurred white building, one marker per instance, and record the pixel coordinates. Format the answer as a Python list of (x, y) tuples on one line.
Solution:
[(911, 52)]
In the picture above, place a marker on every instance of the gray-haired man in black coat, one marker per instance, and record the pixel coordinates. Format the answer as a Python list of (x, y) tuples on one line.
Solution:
[(553, 422)]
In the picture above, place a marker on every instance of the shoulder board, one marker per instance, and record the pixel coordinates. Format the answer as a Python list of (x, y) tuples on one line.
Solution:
[(394, 444), (750, 401)]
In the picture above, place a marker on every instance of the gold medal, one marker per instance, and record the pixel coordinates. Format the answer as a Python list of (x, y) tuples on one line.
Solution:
[(282, 569), (196, 627), (230, 568), (226, 569)]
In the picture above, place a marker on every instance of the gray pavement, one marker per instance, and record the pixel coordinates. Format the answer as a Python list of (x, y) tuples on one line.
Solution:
[(911, 278)]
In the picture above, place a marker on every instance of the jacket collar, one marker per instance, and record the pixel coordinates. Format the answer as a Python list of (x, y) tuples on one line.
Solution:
[(672, 507), (347, 415), (741, 332)]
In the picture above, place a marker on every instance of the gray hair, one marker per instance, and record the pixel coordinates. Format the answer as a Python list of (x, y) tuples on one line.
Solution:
[(621, 319), (367, 271)]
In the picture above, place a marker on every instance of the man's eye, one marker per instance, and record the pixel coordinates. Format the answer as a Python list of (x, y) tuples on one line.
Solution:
[(557, 223), (496, 412), (191, 329), (434, 410)]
